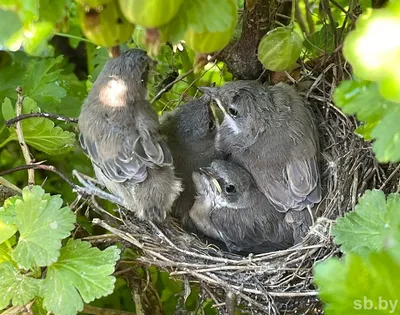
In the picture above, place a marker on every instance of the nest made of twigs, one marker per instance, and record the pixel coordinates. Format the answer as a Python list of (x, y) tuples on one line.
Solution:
[(282, 281)]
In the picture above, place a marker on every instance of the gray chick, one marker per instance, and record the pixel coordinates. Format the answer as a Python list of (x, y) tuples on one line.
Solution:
[(269, 131), (230, 208), (119, 131), (190, 132)]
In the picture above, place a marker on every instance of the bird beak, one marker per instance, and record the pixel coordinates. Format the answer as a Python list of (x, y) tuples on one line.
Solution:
[(207, 171), (213, 92)]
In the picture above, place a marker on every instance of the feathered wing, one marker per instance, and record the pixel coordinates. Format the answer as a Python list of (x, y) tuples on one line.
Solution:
[(128, 145), (298, 187)]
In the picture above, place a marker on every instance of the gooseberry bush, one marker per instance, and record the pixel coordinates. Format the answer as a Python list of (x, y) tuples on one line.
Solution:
[(52, 51)]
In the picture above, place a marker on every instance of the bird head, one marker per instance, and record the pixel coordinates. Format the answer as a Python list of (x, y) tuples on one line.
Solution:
[(123, 79), (224, 184), (240, 103)]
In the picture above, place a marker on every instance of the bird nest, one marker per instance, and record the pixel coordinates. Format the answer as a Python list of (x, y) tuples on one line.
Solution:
[(282, 281)]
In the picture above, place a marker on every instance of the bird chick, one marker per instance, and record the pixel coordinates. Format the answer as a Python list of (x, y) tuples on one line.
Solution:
[(229, 207), (190, 132), (119, 132), (270, 132)]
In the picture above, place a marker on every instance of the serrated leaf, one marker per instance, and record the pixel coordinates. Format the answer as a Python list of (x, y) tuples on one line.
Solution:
[(41, 133), (369, 227), (42, 224), (359, 285), (80, 268), (16, 287), (7, 212), (41, 82), (279, 49)]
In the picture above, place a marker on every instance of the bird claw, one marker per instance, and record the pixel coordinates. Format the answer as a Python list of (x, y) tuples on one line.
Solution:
[(91, 190)]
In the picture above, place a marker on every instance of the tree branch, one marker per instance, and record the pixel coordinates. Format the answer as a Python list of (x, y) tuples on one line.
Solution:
[(14, 120), (258, 18)]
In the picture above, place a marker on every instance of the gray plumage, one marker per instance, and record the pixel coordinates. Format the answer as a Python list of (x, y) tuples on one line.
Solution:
[(270, 132), (119, 131), (230, 208), (190, 133)]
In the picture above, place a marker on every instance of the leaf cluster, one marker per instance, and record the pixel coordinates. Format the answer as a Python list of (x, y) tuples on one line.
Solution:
[(36, 266)]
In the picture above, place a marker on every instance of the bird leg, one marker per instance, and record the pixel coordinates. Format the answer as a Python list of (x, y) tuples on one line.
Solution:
[(90, 189)]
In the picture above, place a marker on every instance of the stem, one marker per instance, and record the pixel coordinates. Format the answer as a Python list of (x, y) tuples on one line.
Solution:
[(21, 140), (73, 37)]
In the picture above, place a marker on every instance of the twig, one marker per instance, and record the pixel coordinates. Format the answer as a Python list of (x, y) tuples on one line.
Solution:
[(138, 302), (90, 189), (105, 311), (14, 120), (180, 78), (169, 85), (21, 140), (390, 177), (9, 185), (38, 166)]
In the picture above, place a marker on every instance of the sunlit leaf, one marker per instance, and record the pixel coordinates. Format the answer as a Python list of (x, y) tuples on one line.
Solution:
[(370, 226), (42, 224)]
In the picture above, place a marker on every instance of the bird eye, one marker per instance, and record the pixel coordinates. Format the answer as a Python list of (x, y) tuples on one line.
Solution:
[(230, 189), (233, 112), (211, 125)]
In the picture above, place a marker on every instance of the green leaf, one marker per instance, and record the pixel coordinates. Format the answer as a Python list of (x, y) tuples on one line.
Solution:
[(279, 49), (365, 129), (41, 82), (381, 116), (80, 268), (200, 16), (13, 25), (53, 11), (7, 212), (15, 286), (42, 224), (359, 285), (387, 135), (321, 42), (373, 48), (6, 231), (371, 225), (5, 252), (41, 133), (7, 109)]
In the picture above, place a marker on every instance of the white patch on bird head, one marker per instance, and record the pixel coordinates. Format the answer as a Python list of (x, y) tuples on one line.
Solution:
[(230, 122), (113, 93)]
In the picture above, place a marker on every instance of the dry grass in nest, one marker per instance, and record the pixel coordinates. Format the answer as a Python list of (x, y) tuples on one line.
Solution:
[(276, 282)]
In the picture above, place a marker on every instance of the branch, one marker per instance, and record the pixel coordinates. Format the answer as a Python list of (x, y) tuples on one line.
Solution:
[(14, 120), (38, 166), (21, 140)]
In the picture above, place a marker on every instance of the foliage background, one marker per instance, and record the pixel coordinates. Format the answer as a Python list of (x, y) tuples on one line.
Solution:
[(44, 51)]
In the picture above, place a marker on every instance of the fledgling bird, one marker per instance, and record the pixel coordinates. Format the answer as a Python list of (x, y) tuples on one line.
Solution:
[(269, 131), (190, 132), (230, 208), (119, 131)]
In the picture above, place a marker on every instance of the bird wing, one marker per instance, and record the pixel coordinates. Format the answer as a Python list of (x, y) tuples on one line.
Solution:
[(127, 145), (299, 186)]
